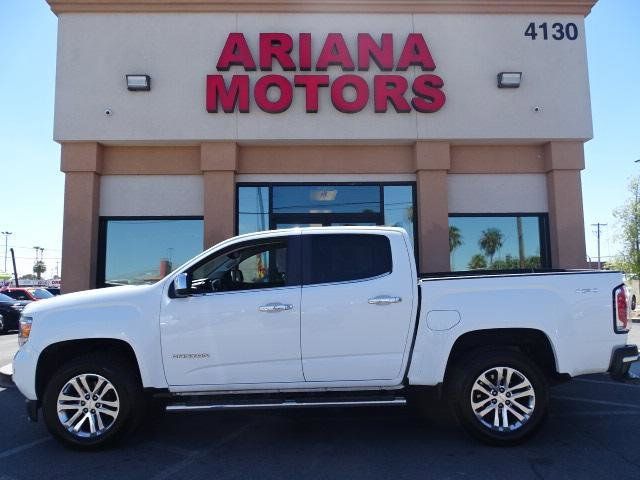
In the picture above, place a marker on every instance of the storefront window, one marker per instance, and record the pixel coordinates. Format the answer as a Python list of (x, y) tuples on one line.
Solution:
[(253, 209), (398, 207), (143, 251), (326, 199), (499, 242), (262, 207)]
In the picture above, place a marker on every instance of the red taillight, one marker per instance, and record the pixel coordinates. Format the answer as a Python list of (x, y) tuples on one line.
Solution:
[(621, 308)]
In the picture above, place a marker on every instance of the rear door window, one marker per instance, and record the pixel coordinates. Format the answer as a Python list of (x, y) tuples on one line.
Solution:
[(345, 257)]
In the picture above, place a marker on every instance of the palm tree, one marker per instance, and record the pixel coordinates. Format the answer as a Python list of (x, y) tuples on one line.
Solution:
[(490, 242), (39, 268), (455, 238), (477, 262)]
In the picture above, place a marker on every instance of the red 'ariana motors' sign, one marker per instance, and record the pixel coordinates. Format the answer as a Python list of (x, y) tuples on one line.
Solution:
[(425, 94)]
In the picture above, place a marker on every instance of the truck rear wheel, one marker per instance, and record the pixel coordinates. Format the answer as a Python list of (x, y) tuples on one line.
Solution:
[(92, 401), (500, 397)]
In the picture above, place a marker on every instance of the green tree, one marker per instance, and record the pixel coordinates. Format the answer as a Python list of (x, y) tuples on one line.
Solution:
[(39, 268), (628, 219), (512, 263), (28, 276), (477, 262), (455, 238), (490, 242)]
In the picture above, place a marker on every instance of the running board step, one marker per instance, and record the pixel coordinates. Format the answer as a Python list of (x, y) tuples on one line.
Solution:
[(277, 404)]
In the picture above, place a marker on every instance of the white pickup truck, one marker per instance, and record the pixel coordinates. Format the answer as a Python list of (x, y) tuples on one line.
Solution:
[(318, 317)]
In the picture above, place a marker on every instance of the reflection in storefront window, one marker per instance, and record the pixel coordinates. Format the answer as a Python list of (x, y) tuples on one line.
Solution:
[(495, 243), (326, 199), (144, 251), (398, 207), (253, 209)]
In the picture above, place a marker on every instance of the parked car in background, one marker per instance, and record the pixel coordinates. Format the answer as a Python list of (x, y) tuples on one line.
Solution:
[(53, 291), (27, 293), (10, 310), (633, 285)]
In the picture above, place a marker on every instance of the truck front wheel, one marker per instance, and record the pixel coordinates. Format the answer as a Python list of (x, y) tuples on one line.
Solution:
[(500, 397), (92, 401)]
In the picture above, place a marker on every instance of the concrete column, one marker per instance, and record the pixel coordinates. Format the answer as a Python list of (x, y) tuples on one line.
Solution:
[(82, 164), (563, 162), (218, 161), (432, 161)]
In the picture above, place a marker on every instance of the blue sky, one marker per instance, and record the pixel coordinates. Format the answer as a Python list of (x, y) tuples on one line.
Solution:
[(33, 186)]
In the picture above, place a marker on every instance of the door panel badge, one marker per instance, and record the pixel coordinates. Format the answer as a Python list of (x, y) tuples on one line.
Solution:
[(189, 356)]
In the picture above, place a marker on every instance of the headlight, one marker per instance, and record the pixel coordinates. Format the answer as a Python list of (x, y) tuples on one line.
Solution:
[(25, 329)]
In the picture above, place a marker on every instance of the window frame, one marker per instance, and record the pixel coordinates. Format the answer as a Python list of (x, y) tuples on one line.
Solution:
[(294, 259), (306, 259), (103, 223), (365, 217), (543, 230)]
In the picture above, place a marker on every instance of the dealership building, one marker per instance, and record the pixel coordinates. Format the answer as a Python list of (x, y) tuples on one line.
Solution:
[(185, 122)]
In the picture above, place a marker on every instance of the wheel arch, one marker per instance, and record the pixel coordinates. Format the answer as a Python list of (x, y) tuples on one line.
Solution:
[(56, 354), (534, 343)]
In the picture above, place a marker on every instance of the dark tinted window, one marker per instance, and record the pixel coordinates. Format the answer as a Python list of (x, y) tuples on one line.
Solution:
[(342, 258), (18, 295)]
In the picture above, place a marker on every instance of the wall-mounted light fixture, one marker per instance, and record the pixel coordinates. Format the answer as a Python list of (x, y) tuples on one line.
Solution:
[(509, 79), (139, 83)]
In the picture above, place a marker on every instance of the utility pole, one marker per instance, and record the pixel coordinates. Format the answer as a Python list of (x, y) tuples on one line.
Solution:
[(6, 237), (597, 232)]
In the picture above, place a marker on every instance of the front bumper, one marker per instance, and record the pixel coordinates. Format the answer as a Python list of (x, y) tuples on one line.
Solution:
[(621, 360), (6, 381)]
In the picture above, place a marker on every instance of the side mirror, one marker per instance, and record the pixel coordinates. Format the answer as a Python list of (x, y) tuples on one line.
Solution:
[(181, 285)]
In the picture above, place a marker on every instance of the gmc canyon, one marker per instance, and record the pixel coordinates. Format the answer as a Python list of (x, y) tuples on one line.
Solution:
[(317, 317)]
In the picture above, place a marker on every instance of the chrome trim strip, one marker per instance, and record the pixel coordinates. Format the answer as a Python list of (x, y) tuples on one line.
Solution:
[(286, 404)]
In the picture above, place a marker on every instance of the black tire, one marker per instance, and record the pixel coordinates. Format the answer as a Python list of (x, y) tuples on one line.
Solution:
[(633, 302), (2, 324), (121, 374), (462, 380)]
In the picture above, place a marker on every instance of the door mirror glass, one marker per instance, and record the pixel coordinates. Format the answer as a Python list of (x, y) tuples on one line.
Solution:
[(181, 285)]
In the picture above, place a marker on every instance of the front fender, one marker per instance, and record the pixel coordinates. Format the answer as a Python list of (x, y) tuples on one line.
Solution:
[(129, 315)]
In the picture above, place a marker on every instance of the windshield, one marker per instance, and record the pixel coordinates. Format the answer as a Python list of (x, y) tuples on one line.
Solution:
[(41, 293)]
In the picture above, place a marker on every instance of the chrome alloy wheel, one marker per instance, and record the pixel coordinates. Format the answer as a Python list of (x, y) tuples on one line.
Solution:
[(88, 405), (503, 399)]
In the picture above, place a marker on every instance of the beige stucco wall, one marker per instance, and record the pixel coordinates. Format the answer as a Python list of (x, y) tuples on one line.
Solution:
[(497, 193), (151, 195), (95, 51)]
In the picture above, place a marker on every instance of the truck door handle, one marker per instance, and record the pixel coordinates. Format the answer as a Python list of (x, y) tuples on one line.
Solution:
[(384, 300), (275, 307)]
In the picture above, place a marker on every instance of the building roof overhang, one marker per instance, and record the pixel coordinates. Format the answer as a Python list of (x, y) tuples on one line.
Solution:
[(567, 7)]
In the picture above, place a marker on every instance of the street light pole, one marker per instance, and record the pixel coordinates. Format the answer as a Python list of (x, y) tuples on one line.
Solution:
[(599, 226), (6, 238)]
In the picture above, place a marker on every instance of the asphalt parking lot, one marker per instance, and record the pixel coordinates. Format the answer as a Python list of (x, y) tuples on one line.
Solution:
[(593, 432)]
